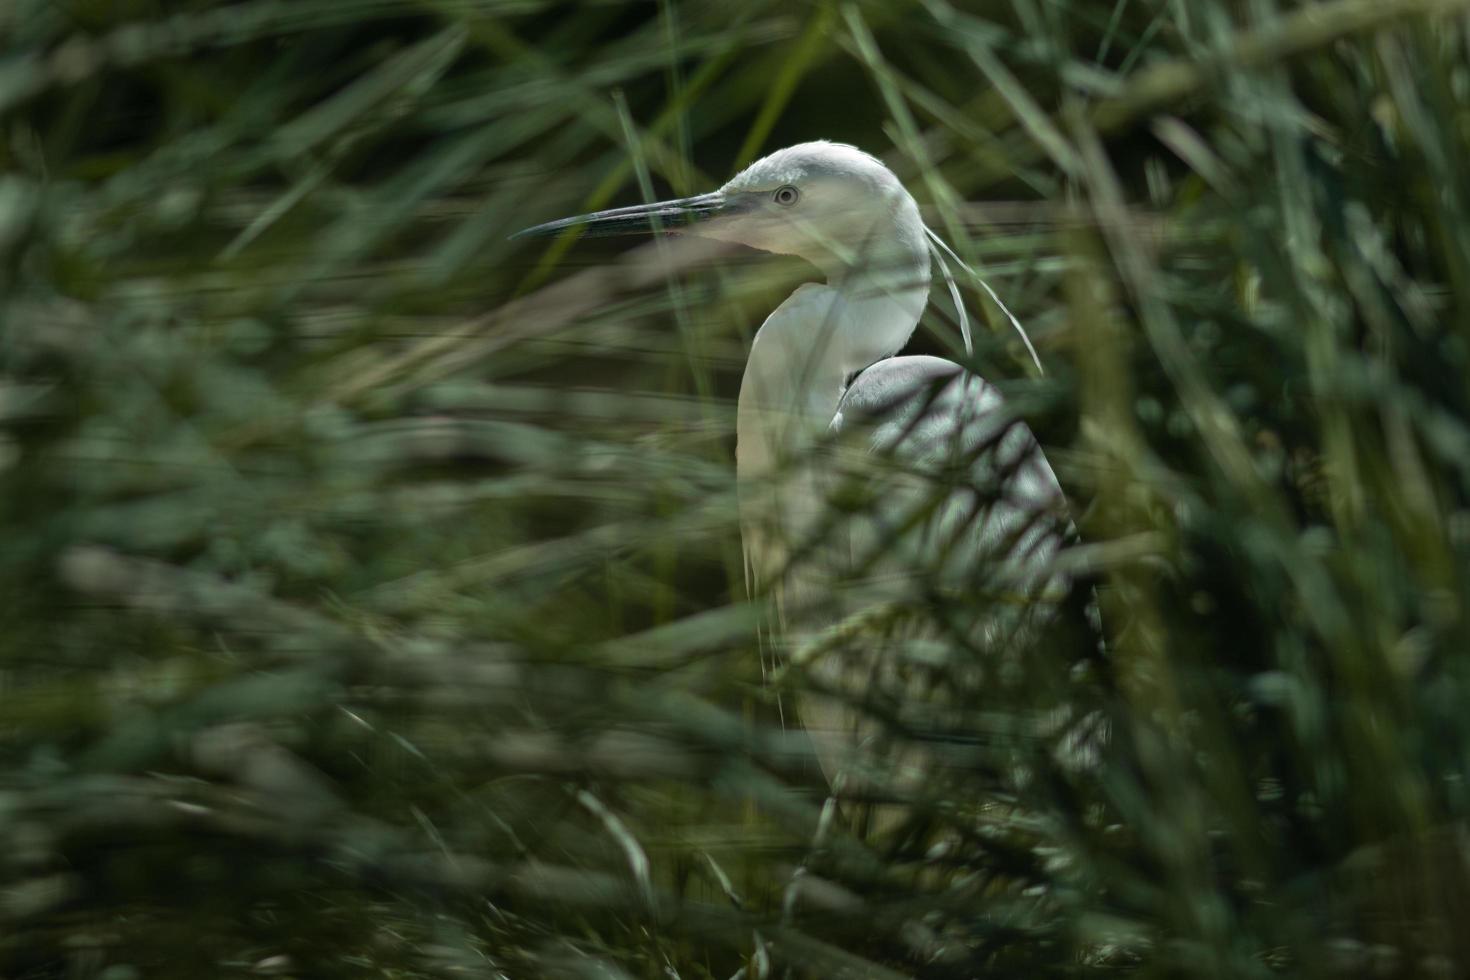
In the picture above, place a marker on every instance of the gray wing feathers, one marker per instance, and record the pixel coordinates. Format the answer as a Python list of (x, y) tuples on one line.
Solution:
[(967, 494), (934, 486)]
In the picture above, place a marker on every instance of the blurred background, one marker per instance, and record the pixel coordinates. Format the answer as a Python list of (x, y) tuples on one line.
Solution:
[(371, 600)]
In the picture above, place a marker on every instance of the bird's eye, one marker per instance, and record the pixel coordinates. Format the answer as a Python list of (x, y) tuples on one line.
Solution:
[(786, 196)]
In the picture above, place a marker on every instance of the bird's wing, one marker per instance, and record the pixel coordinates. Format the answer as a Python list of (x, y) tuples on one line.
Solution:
[(938, 564), (958, 488)]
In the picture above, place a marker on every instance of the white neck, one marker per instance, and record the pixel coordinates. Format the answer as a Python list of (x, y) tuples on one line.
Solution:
[(808, 349)]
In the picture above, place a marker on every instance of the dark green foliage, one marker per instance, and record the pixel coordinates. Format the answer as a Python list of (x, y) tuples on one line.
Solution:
[(372, 593)]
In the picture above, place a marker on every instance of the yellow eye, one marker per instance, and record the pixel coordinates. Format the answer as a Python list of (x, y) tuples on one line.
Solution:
[(786, 196)]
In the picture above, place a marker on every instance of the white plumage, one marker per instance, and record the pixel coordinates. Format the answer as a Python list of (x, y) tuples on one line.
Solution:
[(871, 483)]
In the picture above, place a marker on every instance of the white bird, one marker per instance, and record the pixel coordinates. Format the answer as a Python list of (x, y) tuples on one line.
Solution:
[(948, 492)]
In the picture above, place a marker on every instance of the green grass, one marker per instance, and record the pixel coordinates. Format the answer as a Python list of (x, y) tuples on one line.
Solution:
[(372, 592)]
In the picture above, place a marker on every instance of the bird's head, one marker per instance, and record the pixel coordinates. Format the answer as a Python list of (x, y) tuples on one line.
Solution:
[(832, 204), (829, 203)]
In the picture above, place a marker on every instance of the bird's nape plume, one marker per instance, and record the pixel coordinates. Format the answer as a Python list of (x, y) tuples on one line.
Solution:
[(939, 249), (954, 292)]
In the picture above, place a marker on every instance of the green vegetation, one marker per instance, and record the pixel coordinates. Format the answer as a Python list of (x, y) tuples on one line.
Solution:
[(372, 593)]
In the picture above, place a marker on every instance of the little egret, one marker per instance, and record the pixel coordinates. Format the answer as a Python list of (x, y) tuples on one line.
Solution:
[(870, 483)]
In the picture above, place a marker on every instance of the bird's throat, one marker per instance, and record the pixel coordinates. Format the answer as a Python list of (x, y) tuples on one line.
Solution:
[(808, 350)]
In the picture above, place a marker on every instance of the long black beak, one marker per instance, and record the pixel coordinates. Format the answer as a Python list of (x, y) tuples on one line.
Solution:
[(641, 219)]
